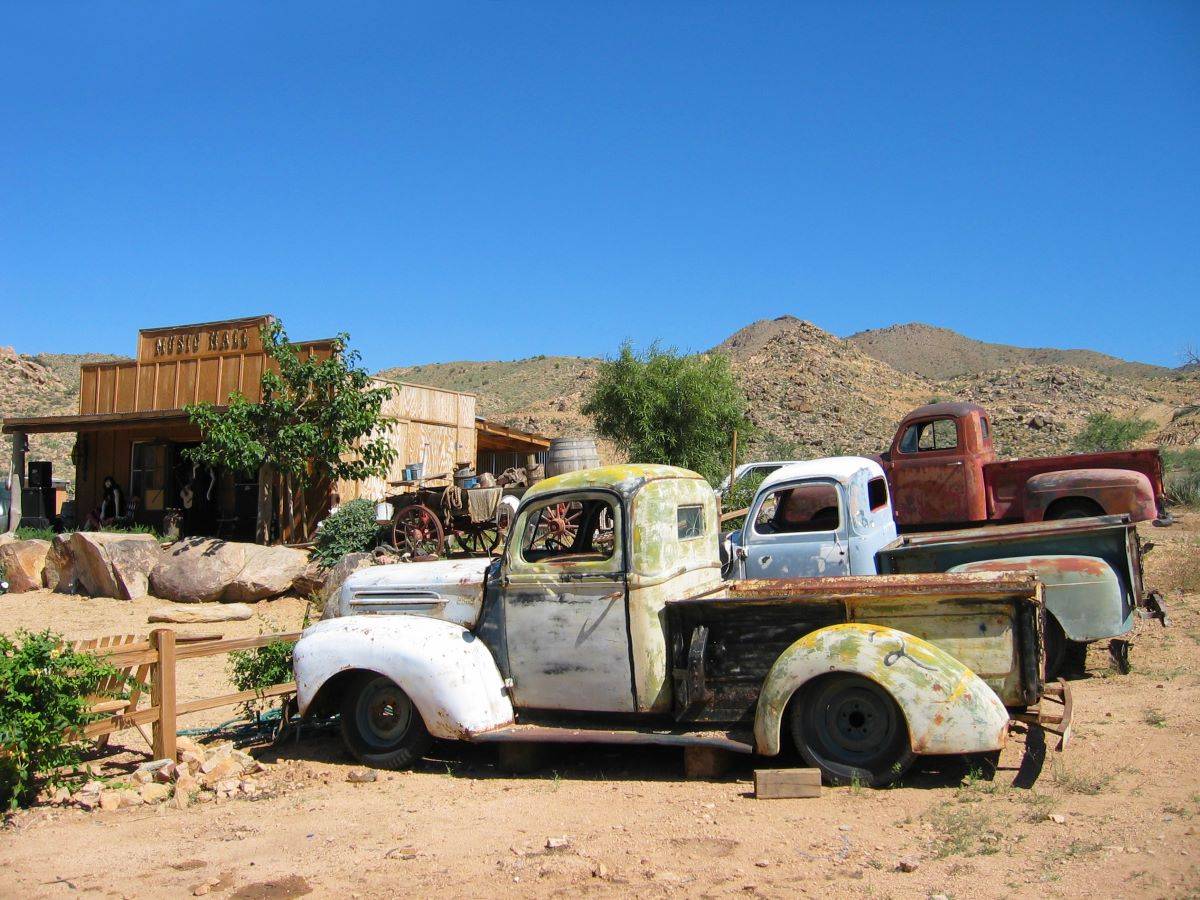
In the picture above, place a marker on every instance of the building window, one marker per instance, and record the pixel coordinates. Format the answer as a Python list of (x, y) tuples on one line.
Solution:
[(147, 482)]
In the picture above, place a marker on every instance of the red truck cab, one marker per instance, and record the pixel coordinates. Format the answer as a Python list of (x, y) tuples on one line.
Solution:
[(942, 470)]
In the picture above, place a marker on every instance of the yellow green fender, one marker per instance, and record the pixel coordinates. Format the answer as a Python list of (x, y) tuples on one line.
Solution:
[(947, 707)]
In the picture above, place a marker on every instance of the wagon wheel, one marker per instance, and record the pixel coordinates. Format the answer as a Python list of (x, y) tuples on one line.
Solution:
[(417, 530), (483, 539), (605, 536), (558, 526)]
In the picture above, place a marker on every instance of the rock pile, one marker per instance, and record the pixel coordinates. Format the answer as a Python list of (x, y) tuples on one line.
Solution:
[(197, 775)]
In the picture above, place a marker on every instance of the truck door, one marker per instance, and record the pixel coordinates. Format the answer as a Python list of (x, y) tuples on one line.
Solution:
[(929, 478), (566, 612), (798, 530)]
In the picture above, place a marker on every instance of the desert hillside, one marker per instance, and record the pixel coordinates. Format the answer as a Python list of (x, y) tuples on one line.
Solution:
[(938, 353)]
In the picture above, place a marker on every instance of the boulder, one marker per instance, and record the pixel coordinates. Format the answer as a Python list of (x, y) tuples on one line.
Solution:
[(310, 581), (59, 572), (202, 612), (114, 564), (336, 577), (268, 572), (132, 563), (22, 562), (197, 570)]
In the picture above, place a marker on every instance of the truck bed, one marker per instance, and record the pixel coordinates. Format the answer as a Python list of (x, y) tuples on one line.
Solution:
[(1111, 538), (1005, 479), (723, 642)]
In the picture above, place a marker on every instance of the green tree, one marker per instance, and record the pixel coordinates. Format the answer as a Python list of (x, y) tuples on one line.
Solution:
[(1104, 431), (663, 407), (318, 419)]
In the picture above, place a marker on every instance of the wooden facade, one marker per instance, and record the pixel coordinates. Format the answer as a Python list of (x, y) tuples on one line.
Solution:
[(131, 427)]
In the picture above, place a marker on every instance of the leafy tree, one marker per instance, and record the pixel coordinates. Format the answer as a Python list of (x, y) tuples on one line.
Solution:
[(1104, 431), (318, 419), (663, 407)]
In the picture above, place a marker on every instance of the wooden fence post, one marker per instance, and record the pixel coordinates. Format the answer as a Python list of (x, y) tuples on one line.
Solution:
[(162, 692)]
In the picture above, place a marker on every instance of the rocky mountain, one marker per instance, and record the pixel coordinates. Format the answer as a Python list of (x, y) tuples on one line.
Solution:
[(939, 353)]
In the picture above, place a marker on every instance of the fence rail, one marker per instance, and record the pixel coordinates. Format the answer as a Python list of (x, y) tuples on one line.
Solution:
[(157, 657)]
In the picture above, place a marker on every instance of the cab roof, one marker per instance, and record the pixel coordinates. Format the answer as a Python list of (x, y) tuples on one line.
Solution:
[(954, 408), (626, 479), (842, 469)]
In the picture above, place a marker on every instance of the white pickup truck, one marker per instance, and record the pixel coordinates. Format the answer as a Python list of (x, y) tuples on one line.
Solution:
[(607, 620), (834, 517)]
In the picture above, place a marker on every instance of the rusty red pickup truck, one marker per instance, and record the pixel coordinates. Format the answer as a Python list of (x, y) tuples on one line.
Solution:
[(942, 470)]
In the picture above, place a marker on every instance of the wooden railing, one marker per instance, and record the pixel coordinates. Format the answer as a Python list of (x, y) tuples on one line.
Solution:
[(157, 657)]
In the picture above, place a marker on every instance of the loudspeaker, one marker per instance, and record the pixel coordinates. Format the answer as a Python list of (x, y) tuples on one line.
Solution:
[(40, 472)]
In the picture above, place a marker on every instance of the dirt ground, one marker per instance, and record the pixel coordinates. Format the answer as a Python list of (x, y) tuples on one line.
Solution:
[(1125, 794)]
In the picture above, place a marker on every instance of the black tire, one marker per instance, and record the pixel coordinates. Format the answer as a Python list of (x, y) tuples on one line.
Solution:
[(851, 729), (1054, 640), (1077, 508), (381, 726)]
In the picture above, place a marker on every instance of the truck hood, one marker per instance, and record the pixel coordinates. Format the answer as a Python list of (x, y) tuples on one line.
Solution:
[(446, 589)]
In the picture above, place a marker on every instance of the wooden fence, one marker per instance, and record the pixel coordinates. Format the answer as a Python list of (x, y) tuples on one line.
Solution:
[(153, 661)]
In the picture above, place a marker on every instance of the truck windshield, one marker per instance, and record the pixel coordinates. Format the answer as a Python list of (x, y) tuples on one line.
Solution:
[(569, 531), (800, 508)]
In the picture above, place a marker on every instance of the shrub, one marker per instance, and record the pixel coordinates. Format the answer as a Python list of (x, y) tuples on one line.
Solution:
[(262, 667), (1182, 476), (740, 496), (352, 529), (44, 699), (662, 407), (1104, 431)]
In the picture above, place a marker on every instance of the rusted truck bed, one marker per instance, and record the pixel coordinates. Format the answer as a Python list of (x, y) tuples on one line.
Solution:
[(724, 641)]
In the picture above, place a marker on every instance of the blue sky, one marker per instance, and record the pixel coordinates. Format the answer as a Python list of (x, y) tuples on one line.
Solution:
[(502, 179)]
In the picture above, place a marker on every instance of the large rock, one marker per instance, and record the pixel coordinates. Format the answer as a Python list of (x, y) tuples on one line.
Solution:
[(22, 562), (337, 576), (202, 612), (114, 564), (59, 572), (310, 581), (197, 570), (268, 572)]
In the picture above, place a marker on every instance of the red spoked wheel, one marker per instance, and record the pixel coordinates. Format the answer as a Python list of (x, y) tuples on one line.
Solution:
[(418, 531), (558, 527)]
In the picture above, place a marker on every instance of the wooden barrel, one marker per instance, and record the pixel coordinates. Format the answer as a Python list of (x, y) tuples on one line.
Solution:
[(570, 455)]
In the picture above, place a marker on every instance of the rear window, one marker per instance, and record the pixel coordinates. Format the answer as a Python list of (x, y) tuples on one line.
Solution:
[(690, 520), (877, 494), (803, 508), (984, 428)]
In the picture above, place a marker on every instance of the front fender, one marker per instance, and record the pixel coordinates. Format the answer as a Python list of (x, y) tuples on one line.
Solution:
[(447, 672), (947, 707)]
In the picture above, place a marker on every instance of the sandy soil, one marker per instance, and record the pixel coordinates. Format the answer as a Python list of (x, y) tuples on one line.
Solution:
[(1128, 787)]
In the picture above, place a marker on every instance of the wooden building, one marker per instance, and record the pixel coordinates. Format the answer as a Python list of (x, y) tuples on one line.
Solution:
[(131, 427)]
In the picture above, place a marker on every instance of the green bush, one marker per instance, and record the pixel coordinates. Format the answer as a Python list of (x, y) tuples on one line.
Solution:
[(352, 529), (740, 496), (662, 407), (262, 667), (1182, 476), (1104, 431), (44, 698)]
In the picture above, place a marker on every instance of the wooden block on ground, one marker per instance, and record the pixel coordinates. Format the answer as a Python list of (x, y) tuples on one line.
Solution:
[(706, 762), (784, 784), (521, 758)]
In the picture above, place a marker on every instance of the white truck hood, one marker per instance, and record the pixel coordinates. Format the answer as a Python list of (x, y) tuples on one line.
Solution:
[(449, 589)]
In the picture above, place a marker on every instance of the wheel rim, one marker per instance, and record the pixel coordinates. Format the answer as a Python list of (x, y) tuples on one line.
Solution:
[(851, 722), (418, 531), (383, 713)]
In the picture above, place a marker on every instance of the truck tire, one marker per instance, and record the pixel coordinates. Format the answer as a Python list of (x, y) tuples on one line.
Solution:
[(851, 729), (1073, 508), (1054, 639), (381, 726)]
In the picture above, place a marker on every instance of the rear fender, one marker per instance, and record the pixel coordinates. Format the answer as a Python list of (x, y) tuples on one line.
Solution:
[(947, 707), (447, 672), (1115, 490)]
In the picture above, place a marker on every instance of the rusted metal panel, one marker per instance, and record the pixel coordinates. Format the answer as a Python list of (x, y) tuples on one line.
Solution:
[(1053, 494), (948, 709)]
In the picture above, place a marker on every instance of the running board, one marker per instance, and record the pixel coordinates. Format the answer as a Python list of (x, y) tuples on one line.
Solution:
[(551, 734)]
